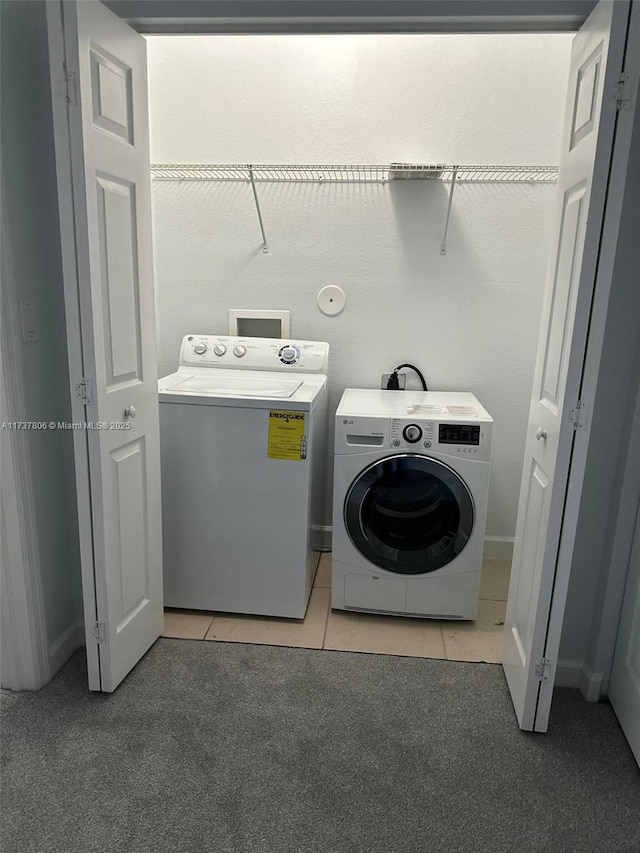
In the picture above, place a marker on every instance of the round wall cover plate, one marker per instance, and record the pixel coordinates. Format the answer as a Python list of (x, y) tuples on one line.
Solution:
[(331, 300)]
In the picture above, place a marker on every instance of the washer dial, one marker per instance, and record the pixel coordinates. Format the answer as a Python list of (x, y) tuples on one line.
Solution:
[(219, 349), (239, 351), (200, 349), (412, 433), (289, 354)]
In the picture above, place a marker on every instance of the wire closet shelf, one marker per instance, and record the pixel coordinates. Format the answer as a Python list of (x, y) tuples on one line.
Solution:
[(351, 173), (254, 174)]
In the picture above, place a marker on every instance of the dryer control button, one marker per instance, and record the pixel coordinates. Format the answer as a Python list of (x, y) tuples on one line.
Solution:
[(427, 444), (412, 433), (200, 349), (396, 442), (219, 349), (239, 351)]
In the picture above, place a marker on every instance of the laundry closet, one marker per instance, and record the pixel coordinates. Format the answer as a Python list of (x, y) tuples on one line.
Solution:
[(449, 278), (424, 177)]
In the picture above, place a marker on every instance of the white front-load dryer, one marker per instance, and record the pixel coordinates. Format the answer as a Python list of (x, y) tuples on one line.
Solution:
[(411, 482)]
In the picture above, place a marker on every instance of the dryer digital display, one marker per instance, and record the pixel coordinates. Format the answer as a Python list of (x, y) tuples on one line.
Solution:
[(459, 434)]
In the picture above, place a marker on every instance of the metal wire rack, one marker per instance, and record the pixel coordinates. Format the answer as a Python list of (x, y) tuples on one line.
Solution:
[(353, 174), (349, 173)]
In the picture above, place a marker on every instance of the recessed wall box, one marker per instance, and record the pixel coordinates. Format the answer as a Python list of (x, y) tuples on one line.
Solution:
[(259, 323)]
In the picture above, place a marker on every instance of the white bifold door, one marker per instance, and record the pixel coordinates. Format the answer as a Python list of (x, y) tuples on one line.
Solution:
[(99, 77), (559, 418)]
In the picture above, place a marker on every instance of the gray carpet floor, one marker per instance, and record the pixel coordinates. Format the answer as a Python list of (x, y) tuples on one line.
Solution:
[(254, 749)]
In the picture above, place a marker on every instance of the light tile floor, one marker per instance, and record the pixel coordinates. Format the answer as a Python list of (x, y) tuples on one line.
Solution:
[(339, 630)]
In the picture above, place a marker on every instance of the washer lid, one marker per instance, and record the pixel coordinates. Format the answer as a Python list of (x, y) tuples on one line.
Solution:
[(239, 385), (241, 388)]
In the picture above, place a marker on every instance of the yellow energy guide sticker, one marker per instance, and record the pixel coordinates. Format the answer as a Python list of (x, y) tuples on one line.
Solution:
[(287, 436)]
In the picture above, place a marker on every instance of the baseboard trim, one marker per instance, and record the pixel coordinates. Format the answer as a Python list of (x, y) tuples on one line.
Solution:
[(498, 548), (65, 645), (321, 537), (591, 684), (576, 674)]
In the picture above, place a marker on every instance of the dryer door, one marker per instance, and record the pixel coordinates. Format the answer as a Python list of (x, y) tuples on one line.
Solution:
[(409, 514)]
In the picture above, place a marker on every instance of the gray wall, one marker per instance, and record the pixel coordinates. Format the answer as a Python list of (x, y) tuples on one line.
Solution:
[(29, 187)]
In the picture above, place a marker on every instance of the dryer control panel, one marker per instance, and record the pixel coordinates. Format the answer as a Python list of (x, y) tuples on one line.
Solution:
[(413, 435), (446, 424), (472, 440), (228, 351)]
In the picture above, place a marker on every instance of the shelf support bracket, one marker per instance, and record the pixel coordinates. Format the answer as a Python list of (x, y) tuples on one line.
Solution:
[(443, 245), (265, 247)]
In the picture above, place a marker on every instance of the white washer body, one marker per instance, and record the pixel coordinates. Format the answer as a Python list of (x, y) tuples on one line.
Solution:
[(411, 482), (237, 517)]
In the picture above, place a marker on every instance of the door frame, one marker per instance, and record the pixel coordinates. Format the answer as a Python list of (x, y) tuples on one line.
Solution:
[(156, 20), (623, 536), (358, 16)]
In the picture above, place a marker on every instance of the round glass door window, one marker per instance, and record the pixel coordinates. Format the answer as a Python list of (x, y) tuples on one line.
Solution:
[(409, 514)]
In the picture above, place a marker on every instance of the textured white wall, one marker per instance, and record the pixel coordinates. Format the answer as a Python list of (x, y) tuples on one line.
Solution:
[(468, 319), (358, 98)]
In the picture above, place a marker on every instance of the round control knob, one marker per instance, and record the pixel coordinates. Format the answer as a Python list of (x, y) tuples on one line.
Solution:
[(239, 351), (288, 352), (219, 349), (200, 349), (412, 433)]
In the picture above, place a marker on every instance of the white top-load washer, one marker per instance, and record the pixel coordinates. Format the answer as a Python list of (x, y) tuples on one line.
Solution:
[(242, 432), (411, 480)]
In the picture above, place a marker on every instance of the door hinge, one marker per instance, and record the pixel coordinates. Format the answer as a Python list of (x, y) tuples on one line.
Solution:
[(99, 632), (543, 669), (66, 87), (622, 92), (579, 415), (84, 390)]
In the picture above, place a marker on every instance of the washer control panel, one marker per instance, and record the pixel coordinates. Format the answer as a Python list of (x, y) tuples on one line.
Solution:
[(273, 354)]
